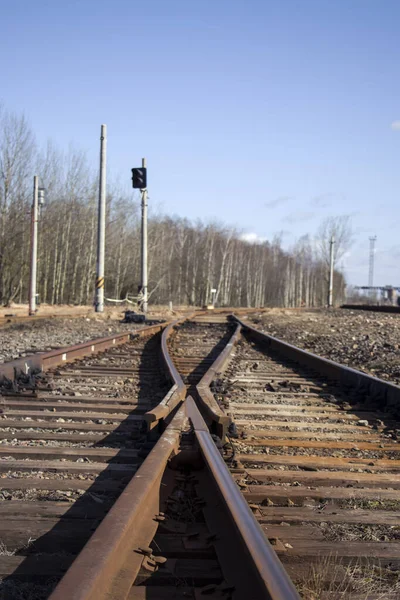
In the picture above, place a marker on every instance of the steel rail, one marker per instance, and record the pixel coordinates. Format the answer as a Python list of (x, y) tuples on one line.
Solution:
[(108, 564), (388, 393), (372, 307), (266, 565), (42, 361), (178, 391), (219, 420), (16, 319)]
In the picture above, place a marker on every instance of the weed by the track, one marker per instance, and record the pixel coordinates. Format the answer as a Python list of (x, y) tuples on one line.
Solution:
[(352, 532), (338, 581), (4, 551), (356, 503)]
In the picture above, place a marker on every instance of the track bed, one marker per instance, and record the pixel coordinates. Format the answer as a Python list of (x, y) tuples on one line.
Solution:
[(196, 344), (320, 468), (181, 528), (258, 453), (70, 440)]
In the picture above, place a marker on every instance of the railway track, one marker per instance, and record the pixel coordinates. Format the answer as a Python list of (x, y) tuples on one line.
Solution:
[(99, 459), (189, 533), (13, 319), (317, 458), (71, 438), (196, 344), (373, 307), (152, 497)]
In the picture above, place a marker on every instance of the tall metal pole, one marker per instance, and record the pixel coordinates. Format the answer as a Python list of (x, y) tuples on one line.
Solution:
[(331, 265), (372, 241), (144, 245), (34, 235), (101, 231)]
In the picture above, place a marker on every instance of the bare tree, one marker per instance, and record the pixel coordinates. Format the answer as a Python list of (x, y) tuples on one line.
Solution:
[(186, 260), (17, 146), (340, 228)]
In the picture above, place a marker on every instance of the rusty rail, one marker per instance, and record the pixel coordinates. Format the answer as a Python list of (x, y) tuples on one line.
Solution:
[(178, 391), (107, 566), (16, 319), (46, 360), (218, 420), (373, 307), (274, 582), (387, 393), (109, 562)]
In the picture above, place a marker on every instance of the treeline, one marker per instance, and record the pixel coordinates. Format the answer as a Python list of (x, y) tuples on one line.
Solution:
[(186, 260)]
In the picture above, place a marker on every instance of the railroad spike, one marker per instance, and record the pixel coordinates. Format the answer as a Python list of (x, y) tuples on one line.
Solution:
[(160, 518), (146, 550)]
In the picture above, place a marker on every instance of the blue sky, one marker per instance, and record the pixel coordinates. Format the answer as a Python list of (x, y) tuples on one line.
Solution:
[(268, 115)]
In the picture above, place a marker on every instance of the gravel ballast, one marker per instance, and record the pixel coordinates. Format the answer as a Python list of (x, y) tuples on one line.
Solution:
[(363, 340), (27, 338)]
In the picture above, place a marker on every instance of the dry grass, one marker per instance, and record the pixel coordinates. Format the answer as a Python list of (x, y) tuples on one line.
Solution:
[(352, 532), (355, 503), (362, 579), (4, 551)]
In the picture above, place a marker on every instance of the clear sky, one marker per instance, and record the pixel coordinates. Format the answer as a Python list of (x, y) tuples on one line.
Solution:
[(265, 114)]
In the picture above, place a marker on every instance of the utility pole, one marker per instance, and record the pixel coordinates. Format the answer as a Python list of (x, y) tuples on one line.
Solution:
[(34, 232), (372, 241), (101, 230), (330, 295), (144, 244)]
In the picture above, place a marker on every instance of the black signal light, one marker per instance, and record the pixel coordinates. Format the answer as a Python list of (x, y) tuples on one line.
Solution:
[(139, 178)]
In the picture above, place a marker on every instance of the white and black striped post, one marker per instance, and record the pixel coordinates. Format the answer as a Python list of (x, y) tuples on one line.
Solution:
[(331, 269), (34, 246), (144, 246), (101, 231)]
